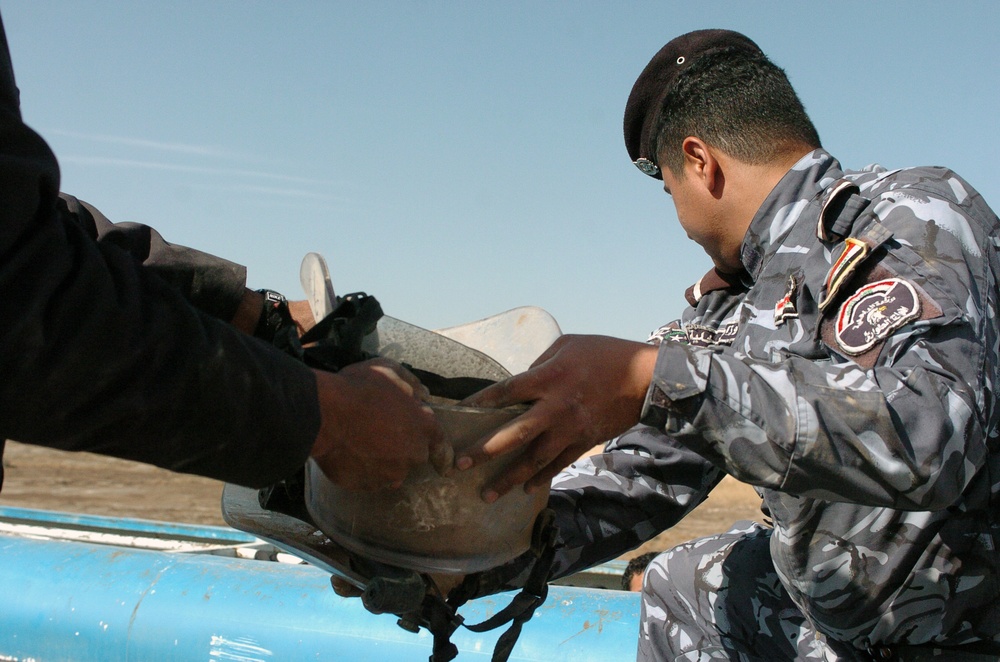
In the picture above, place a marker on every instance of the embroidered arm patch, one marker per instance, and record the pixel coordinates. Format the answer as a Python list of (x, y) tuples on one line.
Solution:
[(879, 306), (873, 313)]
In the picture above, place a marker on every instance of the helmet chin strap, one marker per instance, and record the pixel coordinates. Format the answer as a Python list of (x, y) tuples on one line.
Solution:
[(523, 606)]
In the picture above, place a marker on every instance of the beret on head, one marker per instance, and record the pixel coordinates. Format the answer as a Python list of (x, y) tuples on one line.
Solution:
[(643, 108)]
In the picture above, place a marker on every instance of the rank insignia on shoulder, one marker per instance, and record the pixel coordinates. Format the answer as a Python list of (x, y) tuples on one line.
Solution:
[(785, 308), (855, 251), (873, 312)]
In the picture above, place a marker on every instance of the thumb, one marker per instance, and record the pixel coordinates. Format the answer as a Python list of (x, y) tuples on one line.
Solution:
[(522, 387), (502, 394)]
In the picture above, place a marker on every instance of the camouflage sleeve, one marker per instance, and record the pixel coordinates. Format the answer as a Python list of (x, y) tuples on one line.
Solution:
[(907, 432), (609, 503), (640, 485)]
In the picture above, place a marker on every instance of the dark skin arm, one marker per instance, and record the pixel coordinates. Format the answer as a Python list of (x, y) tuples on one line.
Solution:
[(584, 390)]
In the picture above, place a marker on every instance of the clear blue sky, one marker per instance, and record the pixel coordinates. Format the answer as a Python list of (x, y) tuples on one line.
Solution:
[(458, 159)]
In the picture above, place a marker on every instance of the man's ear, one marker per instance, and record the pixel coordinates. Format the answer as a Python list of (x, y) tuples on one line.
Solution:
[(700, 163)]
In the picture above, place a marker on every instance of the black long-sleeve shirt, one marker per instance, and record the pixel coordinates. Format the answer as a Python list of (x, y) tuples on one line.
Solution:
[(101, 353)]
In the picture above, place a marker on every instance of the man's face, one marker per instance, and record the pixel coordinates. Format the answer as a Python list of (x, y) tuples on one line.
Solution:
[(698, 212)]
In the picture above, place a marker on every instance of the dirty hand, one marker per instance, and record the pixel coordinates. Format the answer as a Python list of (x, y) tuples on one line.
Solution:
[(584, 390), (375, 426)]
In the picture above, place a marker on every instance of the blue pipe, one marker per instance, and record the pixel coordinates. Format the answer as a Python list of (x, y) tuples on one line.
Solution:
[(86, 602)]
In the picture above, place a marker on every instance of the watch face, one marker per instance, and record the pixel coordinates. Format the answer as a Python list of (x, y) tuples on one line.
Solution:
[(270, 296), (273, 317)]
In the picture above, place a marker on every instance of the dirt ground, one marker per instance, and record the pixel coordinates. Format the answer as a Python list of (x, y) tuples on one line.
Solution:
[(38, 477)]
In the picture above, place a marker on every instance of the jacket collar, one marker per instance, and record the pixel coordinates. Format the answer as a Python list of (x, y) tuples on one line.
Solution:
[(791, 199)]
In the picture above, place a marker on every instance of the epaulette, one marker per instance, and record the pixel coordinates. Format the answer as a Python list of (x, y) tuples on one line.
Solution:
[(841, 205)]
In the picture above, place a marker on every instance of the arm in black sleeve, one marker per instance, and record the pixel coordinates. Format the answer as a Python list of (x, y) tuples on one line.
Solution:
[(210, 283), (99, 355)]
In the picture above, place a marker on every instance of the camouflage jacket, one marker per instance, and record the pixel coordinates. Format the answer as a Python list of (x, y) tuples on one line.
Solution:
[(849, 376)]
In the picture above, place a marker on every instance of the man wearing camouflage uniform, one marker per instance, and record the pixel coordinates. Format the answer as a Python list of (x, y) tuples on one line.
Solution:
[(840, 357)]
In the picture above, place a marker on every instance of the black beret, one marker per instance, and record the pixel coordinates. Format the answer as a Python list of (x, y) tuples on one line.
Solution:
[(643, 108)]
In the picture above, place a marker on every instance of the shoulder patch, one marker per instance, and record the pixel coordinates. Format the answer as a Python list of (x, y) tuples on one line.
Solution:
[(873, 312)]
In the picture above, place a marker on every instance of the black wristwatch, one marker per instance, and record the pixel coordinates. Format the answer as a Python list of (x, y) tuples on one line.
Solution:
[(274, 317)]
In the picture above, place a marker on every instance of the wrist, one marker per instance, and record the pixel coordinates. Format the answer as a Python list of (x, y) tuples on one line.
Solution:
[(274, 316), (302, 315)]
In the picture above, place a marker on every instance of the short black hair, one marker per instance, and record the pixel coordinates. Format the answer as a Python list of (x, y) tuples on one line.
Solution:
[(635, 567), (738, 101)]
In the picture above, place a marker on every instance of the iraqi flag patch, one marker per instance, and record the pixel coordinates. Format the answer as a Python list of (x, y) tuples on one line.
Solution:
[(853, 254), (873, 312)]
